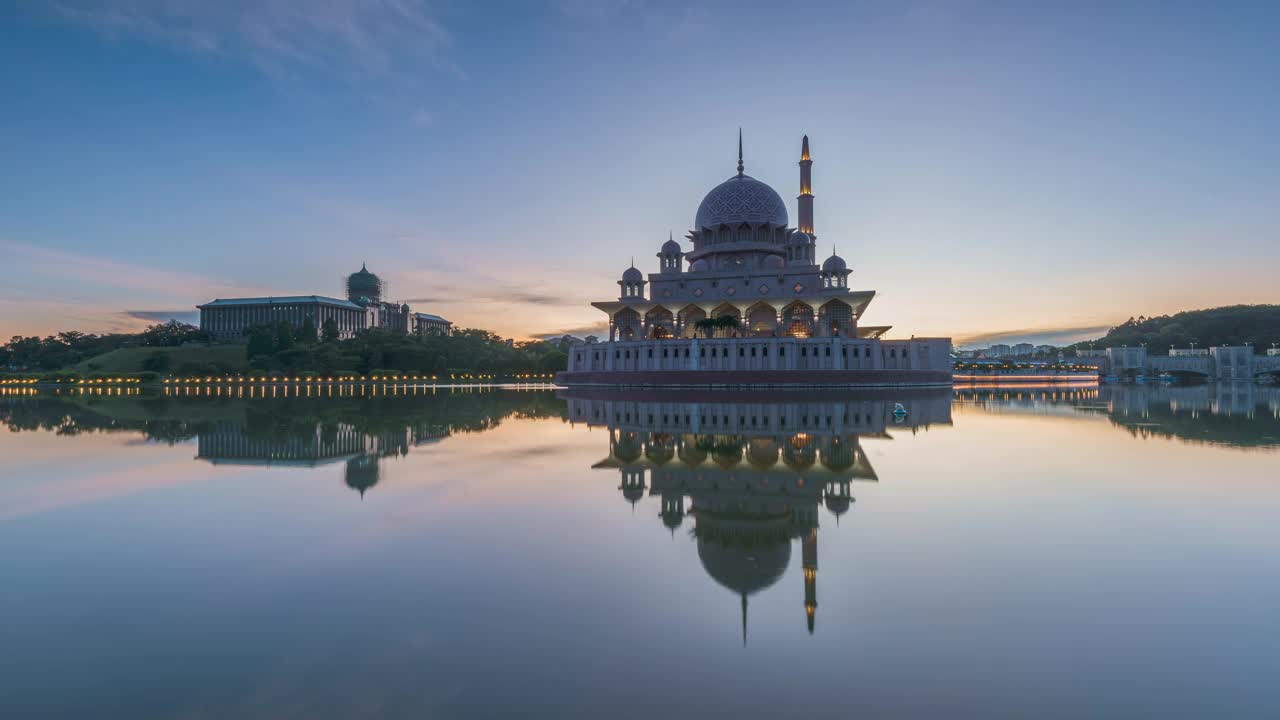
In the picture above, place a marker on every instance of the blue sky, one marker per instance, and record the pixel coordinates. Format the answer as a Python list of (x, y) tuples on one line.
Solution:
[(1020, 170)]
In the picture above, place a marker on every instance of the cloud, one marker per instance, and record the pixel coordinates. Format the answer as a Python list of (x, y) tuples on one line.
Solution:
[(352, 40), (1043, 335), (457, 295), (191, 317), (97, 272), (580, 331)]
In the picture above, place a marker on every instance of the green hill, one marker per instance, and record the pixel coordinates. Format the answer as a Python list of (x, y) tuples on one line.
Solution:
[(1258, 325), (134, 359)]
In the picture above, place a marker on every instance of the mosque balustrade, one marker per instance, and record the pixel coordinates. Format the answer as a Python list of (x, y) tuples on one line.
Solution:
[(761, 353)]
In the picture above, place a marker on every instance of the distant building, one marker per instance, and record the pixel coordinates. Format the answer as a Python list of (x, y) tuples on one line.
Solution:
[(229, 319), (1045, 350), (1023, 349), (427, 324), (1126, 358), (998, 351), (1273, 352)]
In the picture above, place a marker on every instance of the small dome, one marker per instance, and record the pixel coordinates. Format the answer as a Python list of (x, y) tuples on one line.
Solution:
[(405, 308), (700, 265), (774, 261), (741, 199), (671, 247), (834, 264), (838, 504), (799, 238), (632, 275)]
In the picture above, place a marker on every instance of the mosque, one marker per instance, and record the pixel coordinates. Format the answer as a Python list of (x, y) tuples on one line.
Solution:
[(749, 304)]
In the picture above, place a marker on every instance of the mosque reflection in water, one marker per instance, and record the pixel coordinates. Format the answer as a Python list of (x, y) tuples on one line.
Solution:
[(750, 476)]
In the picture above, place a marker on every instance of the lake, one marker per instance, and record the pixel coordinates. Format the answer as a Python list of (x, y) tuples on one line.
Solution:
[(513, 552)]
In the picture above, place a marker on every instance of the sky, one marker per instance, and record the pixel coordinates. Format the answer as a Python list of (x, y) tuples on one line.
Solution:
[(995, 171)]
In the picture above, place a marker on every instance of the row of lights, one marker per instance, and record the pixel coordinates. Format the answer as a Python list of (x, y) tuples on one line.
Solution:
[(82, 381), (229, 378), (347, 378)]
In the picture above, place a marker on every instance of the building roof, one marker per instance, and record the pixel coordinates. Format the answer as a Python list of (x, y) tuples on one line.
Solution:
[(286, 299), (430, 318), (741, 199)]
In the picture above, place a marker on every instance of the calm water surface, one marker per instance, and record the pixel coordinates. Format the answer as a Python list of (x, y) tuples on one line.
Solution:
[(512, 553)]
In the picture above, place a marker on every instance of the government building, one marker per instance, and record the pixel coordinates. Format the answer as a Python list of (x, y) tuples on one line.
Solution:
[(229, 319), (749, 304)]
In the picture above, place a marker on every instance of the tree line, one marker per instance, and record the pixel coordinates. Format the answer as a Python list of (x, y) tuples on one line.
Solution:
[(1257, 325), (281, 348)]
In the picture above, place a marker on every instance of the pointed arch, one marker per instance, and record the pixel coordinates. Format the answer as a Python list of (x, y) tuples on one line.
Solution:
[(761, 320), (797, 319)]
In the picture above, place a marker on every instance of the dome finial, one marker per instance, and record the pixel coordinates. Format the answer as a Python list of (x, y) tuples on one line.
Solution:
[(740, 168)]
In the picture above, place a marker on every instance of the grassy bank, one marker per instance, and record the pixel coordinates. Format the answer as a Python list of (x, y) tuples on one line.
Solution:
[(134, 359)]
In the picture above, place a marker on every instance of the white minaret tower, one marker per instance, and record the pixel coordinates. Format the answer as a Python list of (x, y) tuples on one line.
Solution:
[(805, 201)]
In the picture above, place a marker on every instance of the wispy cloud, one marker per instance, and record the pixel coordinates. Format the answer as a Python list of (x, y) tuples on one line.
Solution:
[(598, 329), (1045, 335), (523, 297), (353, 40), (191, 317), (93, 272)]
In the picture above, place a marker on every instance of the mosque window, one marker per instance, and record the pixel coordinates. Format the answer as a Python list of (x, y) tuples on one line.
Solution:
[(731, 291), (764, 289), (697, 292), (798, 288)]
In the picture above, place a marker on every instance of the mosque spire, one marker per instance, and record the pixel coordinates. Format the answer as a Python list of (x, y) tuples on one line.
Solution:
[(805, 201), (740, 167), (744, 619)]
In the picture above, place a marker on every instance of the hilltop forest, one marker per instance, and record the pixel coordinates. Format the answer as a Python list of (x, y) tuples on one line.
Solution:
[(1258, 325)]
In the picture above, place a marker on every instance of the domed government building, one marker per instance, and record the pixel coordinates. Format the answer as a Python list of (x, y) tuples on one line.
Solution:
[(750, 304), (229, 319)]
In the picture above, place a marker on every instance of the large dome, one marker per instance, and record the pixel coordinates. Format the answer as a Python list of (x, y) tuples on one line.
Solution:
[(742, 569), (741, 199), (364, 284)]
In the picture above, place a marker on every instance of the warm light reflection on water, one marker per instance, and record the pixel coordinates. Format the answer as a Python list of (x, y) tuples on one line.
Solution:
[(480, 551)]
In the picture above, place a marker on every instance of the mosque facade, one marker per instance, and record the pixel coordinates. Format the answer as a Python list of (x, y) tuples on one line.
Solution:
[(750, 303)]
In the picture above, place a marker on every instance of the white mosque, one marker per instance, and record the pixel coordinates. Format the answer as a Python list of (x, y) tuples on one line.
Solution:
[(750, 305)]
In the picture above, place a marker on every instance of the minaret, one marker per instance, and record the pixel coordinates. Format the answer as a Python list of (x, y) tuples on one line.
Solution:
[(805, 201), (809, 548)]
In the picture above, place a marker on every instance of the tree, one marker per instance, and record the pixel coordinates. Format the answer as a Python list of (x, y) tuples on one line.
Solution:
[(553, 362), (284, 336), (307, 333), (329, 331), (261, 341)]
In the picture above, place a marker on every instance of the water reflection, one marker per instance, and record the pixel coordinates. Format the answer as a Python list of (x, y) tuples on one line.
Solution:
[(750, 470), (1243, 415), (287, 432)]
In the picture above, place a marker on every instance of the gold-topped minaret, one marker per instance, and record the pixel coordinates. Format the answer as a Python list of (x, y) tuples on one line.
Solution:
[(805, 201)]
